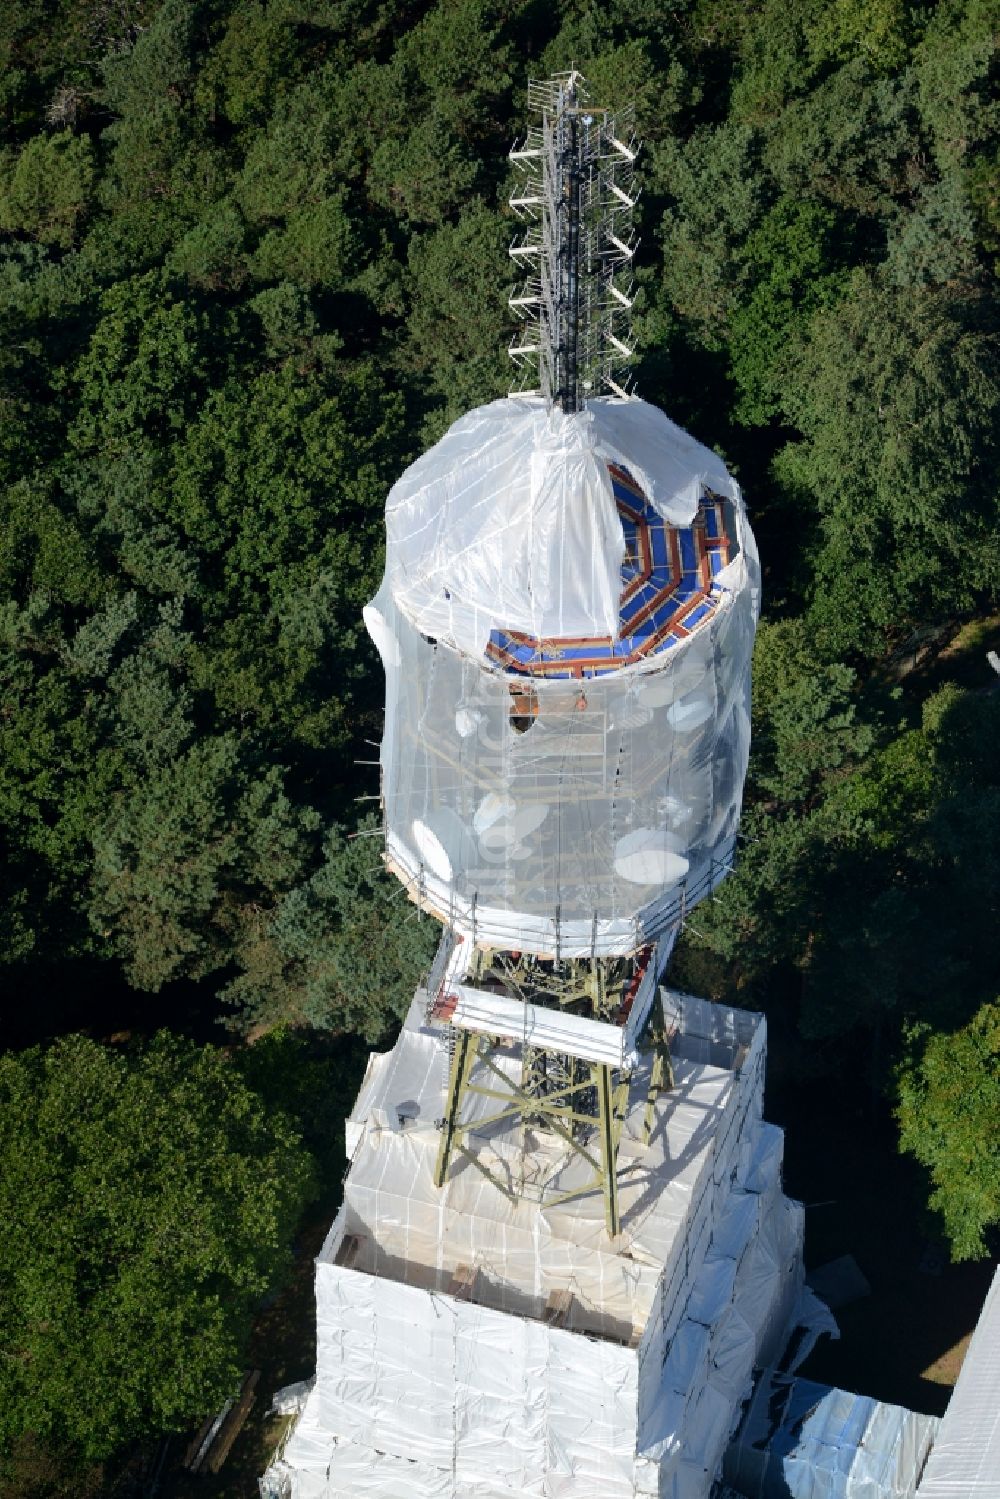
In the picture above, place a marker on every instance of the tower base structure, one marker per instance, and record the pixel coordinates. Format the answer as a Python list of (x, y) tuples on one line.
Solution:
[(488, 1339)]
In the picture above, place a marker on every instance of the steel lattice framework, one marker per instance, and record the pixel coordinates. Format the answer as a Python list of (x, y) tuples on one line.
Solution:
[(577, 194)]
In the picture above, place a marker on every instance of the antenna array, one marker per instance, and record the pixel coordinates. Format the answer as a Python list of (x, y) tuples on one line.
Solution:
[(576, 192)]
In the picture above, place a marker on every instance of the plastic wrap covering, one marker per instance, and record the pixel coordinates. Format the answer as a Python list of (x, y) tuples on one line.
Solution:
[(801, 1440), (965, 1460), (491, 1400), (474, 1345), (552, 815), (510, 519)]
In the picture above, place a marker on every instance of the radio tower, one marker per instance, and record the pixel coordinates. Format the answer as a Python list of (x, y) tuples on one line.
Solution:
[(563, 1247), (578, 194)]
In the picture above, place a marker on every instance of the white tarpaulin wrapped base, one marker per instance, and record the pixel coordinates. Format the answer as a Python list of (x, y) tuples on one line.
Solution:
[(539, 800), (473, 1345)]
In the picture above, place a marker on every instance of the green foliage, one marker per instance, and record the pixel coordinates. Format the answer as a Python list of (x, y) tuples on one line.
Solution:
[(805, 719), (342, 950), (174, 858), (898, 461), (790, 262), (49, 189), (455, 328), (149, 1200), (949, 1116), (311, 1076)]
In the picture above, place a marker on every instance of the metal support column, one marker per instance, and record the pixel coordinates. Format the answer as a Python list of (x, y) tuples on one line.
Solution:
[(661, 1080), (610, 1116), (461, 1065)]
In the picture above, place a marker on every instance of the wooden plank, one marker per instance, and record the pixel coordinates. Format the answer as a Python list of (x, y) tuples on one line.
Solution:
[(463, 1283), (558, 1308), (347, 1253), (198, 1442), (233, 1423)]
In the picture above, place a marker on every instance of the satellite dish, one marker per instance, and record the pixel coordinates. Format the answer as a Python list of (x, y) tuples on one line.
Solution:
[(441, 841), (491, 809), (689, 713), (649, 856)]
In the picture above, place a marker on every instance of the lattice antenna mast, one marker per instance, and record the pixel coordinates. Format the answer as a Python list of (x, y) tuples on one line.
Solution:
[(577, 193)]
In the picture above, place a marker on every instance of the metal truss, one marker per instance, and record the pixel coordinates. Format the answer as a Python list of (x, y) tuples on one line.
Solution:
[(562, 1109), (583, 1103), (577, 194)]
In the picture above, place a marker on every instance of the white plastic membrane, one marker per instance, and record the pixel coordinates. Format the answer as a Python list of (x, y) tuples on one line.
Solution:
[(592, 822), (800, 1440), (440, 1368), (965, 1459), (510, 519)]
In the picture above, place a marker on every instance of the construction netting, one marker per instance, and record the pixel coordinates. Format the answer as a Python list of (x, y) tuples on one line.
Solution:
[(478, 1345), (566, 623)]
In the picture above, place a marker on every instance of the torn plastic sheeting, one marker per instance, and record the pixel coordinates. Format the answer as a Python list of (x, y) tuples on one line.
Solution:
[(511, 518), (812, 1318)]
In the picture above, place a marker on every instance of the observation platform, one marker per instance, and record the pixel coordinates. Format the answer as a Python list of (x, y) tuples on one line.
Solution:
[(669, 587)]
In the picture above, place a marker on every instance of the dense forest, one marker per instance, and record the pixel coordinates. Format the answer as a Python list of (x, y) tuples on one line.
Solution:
[(252, 261)]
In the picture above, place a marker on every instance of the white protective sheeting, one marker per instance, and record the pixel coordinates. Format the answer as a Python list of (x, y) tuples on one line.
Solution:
[(800, 1440), (510, 520), (965, 1459), (431, 1383), (493, 1014), (592, 824)]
